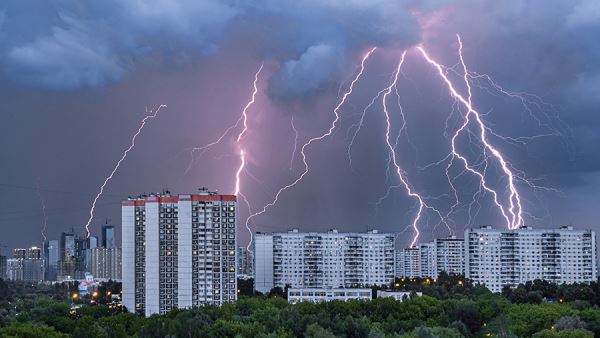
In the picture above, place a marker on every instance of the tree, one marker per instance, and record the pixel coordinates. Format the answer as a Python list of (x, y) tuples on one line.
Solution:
[(569, 323), (564, 334), (27, 330), (246, 287), (316, 331)]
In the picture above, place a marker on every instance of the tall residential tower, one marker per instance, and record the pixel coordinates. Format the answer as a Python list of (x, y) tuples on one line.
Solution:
[(178, 251)]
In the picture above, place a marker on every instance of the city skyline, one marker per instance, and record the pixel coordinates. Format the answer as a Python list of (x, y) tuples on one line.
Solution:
[(71, 116)]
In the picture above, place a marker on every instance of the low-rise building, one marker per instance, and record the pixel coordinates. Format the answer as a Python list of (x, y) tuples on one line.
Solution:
[(318, 295), (398, 295)]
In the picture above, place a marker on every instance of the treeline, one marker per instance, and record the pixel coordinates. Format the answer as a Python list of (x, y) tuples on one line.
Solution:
[(450, 307)]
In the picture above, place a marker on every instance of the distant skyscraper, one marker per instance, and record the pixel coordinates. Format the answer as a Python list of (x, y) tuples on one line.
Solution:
[(14, 269), (178, 251), (501, 257), (51, 257), (73, 253), (108, 236), (33, 270), (26, 265), (322, 259), (19, 253), (67, 246)]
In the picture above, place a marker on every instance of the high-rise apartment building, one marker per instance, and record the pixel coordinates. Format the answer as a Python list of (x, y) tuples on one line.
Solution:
[(106, 263), (501, 257), (428, 260), (178, 251), (108, 236), (399, 263), (411, 262), (449, 255), (322, 259)]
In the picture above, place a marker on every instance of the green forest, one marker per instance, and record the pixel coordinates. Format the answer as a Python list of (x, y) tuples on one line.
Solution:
[(449, 307)]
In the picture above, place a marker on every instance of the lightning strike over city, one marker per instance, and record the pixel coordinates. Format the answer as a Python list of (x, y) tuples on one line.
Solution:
[(323, 136), (312, 151), (513, 213), (152, 113)]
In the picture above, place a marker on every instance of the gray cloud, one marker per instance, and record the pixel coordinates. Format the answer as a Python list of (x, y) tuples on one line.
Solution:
[(85, 45)]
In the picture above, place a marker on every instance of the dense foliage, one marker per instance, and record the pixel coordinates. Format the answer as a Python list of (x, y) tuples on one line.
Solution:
[(450, 307)]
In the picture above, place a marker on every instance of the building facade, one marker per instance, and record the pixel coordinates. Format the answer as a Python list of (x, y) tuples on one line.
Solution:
[(14, 269), (428, 260), (322, 259), (106, 263), (108, 236), (500, 257), (449, 255), (51, 259), (244, 262), (178, 251), (318, 295), (26, 265)]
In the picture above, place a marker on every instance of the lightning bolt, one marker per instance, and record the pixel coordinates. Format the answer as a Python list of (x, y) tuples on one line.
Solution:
[(323, 136), (422, 204), (152, 115), (295, 143), (513, 213), (242, 119), (358, 126), (45, 219)]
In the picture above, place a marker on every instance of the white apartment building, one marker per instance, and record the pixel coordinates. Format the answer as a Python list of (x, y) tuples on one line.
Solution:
[(178, 251), (106, 263), (409, 261), (398, 295), (500, 257), (399, 263), (428, 260), (322, 259), (449, 255), (318, 295)]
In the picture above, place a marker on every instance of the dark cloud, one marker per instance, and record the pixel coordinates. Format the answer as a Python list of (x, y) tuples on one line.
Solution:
[(91, 44)]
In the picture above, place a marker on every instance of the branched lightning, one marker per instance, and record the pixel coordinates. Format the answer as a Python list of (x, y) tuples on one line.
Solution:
[(242, 119), (392, 153), (295, 143), (328, 133), (512, 213), (358, 126), (151, 114)]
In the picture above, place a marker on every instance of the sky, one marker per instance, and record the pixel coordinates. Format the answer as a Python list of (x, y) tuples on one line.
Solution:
[(76, 80)]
